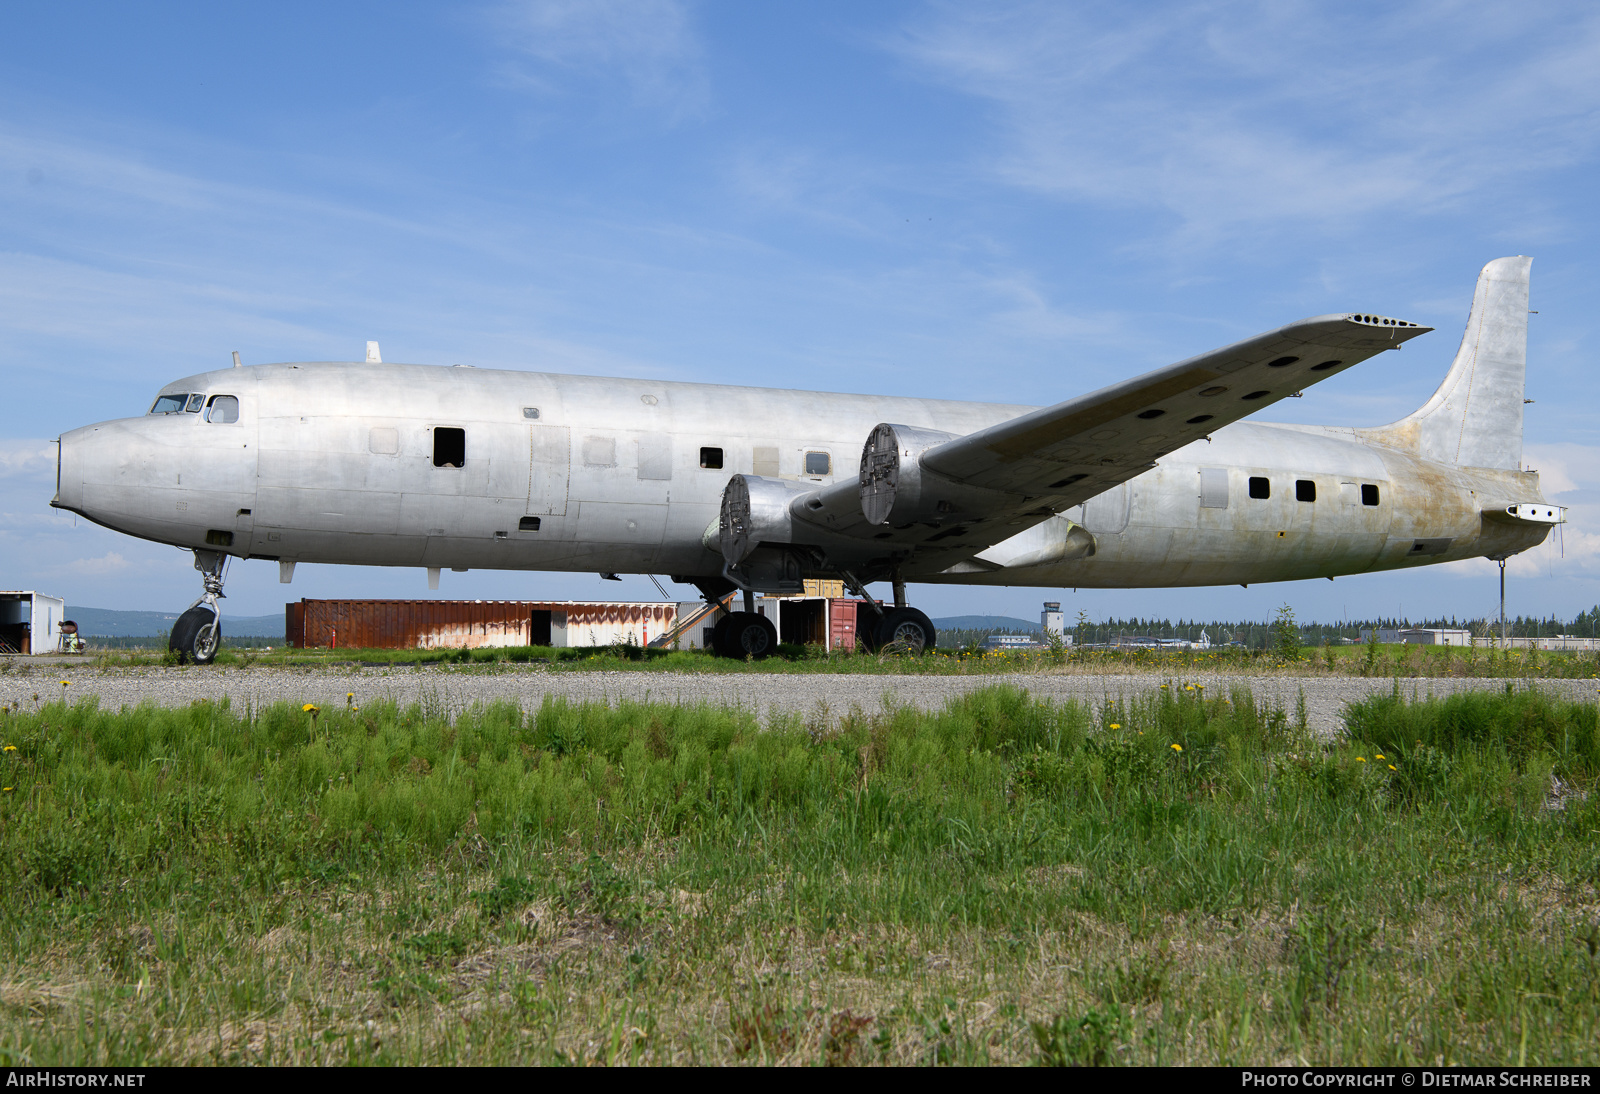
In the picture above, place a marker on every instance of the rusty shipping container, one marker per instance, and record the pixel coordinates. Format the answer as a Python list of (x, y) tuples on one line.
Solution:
[(458, 624)]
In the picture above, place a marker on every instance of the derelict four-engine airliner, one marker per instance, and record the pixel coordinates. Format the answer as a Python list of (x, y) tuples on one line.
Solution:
[(1154, 481)]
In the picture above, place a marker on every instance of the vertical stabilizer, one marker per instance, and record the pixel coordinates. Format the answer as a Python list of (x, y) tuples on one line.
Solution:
[(1475, 418)]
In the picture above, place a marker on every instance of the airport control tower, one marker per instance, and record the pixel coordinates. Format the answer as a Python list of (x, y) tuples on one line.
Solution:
[(1052, 621)]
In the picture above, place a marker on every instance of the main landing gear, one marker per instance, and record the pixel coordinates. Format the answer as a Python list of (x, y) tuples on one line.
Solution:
[(900, 629), (749, 634), (197, 635), (739, 634)]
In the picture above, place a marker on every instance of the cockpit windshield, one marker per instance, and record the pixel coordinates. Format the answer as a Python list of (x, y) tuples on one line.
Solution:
[(178, 404)]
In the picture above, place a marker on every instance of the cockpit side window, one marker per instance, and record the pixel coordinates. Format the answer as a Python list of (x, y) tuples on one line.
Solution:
[(222, 408), (169, 404), (193, 406)]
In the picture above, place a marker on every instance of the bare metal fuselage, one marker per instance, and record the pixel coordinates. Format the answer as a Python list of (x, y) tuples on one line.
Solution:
[(338, 463)]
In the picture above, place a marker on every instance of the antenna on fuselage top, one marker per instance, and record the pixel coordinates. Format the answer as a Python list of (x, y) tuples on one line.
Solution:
[(373, 356), (236, 362)]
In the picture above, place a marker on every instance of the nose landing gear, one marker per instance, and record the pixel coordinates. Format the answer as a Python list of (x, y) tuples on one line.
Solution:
[(197, 635)]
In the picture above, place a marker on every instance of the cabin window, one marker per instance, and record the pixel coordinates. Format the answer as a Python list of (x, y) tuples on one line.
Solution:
[(1369, 494), (169, 404), (1260, 487), (711, 458), (530, 412), (449, 446), (194, 404), (223, 409), (1305, 490), (528, 524), (818, 463)]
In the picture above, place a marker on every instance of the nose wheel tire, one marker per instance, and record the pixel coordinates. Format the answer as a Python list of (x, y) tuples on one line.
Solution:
[(746, 634), (903, 630), (196, 636)]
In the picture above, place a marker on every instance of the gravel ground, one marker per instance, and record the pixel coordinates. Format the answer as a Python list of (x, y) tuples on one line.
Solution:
[(458, 688)]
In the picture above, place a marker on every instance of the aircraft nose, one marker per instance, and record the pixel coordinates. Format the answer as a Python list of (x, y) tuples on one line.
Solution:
[(69, 471)]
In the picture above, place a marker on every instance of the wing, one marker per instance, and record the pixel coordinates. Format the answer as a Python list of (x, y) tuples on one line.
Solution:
[(1081, 447), (951, 496)]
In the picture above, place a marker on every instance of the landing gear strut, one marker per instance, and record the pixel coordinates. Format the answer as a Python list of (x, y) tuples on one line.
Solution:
[(902, 628), (197, 635)]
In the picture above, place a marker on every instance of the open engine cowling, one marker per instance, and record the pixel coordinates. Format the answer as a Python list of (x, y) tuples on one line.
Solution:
[(897, 490), (891, 471), (755, 533)]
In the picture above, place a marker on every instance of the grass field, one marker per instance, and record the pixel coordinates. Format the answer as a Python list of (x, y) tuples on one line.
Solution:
[(1380, 661), (1177, 879)]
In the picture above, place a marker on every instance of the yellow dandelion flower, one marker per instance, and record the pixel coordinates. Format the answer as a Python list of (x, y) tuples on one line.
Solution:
[(9, 748), (311, 708), (9, 789), (1361, 759), (66, 683), (1116, 725), (1377, 755), (1392, 767), (1177, 747), (1188, 687)]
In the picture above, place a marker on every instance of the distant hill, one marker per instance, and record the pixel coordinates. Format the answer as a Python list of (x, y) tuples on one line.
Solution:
[(986, 623), (108, 623)]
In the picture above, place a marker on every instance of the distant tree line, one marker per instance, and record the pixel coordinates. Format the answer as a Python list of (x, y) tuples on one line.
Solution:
[(1256, 634)]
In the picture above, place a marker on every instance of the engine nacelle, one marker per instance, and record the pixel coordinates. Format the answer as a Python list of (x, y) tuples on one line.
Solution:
[(755, 510), (891, 471), (896, 488), (755, 532)]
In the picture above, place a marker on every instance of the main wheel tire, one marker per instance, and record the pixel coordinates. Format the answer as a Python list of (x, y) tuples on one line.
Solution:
[(747, 634), (718, 629), (196, 636), (904, 630)]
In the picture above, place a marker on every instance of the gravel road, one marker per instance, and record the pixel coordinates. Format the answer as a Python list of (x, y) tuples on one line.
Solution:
[(459, 688)]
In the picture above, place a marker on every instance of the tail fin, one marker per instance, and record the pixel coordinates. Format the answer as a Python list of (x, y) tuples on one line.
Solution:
[(1475, 418)]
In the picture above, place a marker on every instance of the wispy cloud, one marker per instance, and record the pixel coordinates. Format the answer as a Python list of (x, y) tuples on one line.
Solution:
[(27, 459), (1233, 116), (649, 44), (109, 563), (1564, 468)]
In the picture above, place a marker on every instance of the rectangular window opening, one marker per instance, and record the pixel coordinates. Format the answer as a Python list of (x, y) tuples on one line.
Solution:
[(1369, 494), (223, 409), (528, 524), (818, 463), (711, 458), (449, 446), (1260, 487), (1305, 490)]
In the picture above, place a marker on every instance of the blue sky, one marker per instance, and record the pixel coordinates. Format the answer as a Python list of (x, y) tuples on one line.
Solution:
[(1008, 201)]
